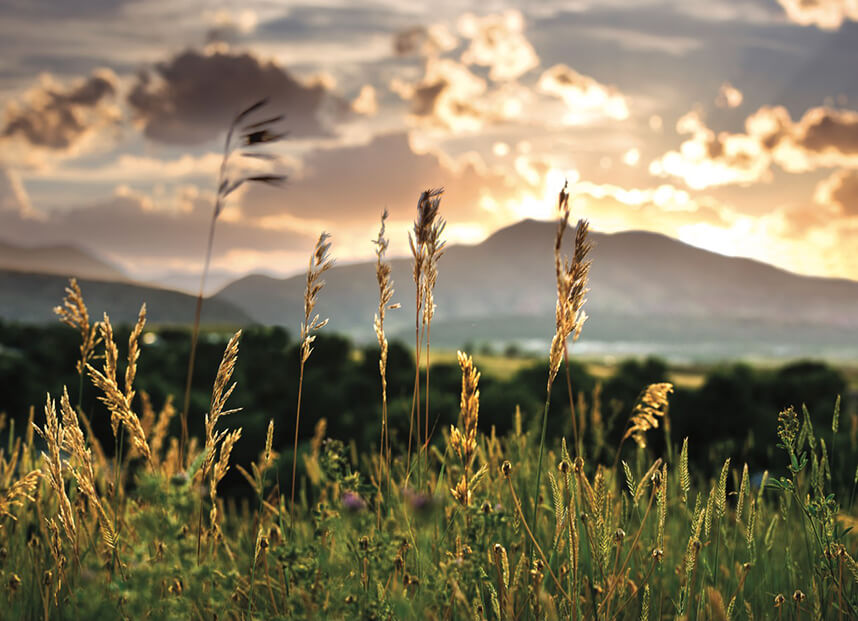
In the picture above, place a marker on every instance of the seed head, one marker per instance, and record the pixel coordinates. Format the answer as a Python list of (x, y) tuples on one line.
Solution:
[(506, 468), (798, 596), (779, 600)]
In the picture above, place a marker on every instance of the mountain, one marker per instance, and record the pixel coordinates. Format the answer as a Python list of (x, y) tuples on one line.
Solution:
[(647, 290), (63, 260), (32, 297)]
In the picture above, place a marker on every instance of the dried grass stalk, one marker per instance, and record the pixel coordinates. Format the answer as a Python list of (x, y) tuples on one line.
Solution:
[(320, 262), (83, 470), (117, 401), (385, 295), (651, 406), (53, 435), (74, 313)]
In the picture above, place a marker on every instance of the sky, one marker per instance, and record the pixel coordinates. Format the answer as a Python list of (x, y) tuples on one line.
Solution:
[(731, 125)]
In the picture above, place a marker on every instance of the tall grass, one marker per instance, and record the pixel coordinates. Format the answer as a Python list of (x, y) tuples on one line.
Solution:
[(241, 137), (85, 535)]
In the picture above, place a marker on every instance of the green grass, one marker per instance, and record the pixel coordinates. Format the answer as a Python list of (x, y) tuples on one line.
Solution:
[(607, 543)]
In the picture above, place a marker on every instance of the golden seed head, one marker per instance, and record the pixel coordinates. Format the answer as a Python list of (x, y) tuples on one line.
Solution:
[(619, 535), (579, 465), (656, 479), (498, 548), (746, 567), (799, 595), (779, 600), (506, 468), (563, 466), (657, 554)]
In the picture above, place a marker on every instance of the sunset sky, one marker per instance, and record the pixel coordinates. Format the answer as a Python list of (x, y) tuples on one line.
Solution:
[(729, 124)]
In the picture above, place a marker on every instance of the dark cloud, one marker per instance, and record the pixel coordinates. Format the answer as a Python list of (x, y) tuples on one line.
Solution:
[(57, 117), (409, 41), (192, 97), (823, 128), (353, 184), (425, 98), (845, 194), (840, 191)]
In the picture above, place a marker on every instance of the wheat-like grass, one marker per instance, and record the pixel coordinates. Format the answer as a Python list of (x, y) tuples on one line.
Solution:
[(117, 401), (427, 247), (651, 406), (53, 435), (75, 314), (464, 441), (572, 277), (84, 470), (320, 262), (385, 296)]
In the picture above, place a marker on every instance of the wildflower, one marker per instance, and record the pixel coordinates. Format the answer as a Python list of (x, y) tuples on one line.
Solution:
[(353, 502)]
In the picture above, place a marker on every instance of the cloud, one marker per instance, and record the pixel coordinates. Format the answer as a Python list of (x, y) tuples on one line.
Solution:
[(424, 41), (729, 96), (132, 226), (227, 27), (366, 103), (60, 118), (822, 138), (584, 96), (707, 159), (350, 185), (498, 42), (448, 95), (13, 197), (192, 97), (825, 14), (840, 190)]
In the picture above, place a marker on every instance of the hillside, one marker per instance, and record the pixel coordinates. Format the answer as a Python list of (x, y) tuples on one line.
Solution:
[(645, 288), (31, 298), (60, 260)]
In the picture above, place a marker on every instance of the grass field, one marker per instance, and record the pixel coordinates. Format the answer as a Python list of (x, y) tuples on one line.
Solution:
[(460, 524)]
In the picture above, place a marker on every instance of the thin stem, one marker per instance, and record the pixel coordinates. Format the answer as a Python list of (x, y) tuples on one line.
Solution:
[(571, 399), (295, 446), (414, 396), (535, 542), (195, 337), (539, 461), (426, 412)]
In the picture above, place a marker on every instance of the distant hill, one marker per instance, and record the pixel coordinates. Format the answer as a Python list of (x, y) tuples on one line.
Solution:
[(62, 260), (32, 297), (646, 288)]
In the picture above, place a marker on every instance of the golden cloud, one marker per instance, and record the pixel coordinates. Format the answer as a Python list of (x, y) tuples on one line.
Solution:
[(826, 14), (498, 42), (584, 96)]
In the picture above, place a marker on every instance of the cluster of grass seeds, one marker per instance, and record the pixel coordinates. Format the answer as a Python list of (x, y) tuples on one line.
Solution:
[(497, 528)]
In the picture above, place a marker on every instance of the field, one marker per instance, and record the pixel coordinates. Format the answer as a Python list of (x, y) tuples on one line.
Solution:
[(615, 520)]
